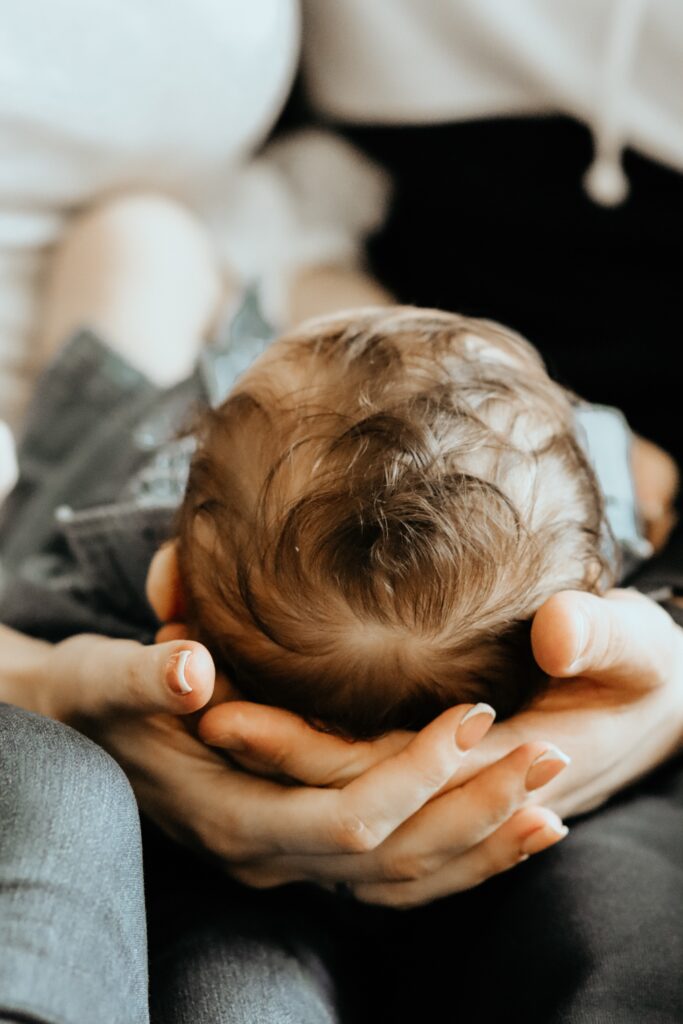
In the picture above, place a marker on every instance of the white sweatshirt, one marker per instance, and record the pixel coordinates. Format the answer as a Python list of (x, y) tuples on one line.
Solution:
[(616, 65), (162, 94)]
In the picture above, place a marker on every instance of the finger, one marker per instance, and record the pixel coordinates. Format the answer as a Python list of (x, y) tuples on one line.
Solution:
[(458, 820), (623, 637), (359, 817), (279, 742), (464, 817), (103, 676), (528, 832), (396, 788)]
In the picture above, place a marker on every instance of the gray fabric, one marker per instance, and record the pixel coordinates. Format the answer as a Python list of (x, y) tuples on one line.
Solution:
[(72, 923), (72, 912), (103, 464)]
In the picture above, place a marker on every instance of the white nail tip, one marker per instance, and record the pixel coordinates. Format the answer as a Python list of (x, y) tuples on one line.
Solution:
[(478, 709), (182, 679), (553, 753)]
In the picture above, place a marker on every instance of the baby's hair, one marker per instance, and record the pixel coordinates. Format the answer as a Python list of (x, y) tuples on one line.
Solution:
[(373, 517)]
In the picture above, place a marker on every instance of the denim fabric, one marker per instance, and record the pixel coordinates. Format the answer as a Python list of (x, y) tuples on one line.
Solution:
[(72, 556), (72, 924), (103, 464)]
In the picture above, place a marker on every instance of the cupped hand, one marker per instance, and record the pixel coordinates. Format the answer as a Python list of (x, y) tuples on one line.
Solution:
[(267, 832), (614, 704)]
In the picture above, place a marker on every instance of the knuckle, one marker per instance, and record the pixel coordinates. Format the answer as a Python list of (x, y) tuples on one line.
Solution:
[(274, 756), (408, 867), (501, 860), (353, 835), (495, 808), (436, 765), (435, 776), (137, 677), (501, 857)]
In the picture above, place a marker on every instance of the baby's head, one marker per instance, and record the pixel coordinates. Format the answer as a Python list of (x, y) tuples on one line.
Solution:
[(376, 512)]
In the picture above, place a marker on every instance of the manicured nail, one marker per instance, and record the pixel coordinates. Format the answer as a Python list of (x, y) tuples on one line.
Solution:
[(473, 726), (545, 767), (548, 834), (175, 673)]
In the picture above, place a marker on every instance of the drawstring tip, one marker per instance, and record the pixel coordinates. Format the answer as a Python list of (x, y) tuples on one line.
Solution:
[(606, 183)]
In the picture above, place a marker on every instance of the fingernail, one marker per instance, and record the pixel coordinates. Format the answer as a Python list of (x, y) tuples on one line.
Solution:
[(473, 726), (176, 675), (548, 834), (545, 767), (577, 663)]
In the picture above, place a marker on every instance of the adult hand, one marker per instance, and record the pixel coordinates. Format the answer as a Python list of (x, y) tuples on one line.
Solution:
[(267, 833), (615, 703), (618, 711)]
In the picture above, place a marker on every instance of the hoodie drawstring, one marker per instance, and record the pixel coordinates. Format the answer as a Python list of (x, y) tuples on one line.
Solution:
[(605, 180)]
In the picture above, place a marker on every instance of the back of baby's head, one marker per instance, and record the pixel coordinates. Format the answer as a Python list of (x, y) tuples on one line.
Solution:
[(376, 512)]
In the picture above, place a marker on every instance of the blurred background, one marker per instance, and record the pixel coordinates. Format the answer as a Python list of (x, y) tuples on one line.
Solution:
[(514, 159)]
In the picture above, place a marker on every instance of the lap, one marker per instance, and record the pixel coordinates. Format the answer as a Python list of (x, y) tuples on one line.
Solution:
[(72, 928), (589, 931), (224, 954)]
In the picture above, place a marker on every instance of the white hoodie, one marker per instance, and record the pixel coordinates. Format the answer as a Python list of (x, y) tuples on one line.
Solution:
[(615, 65)]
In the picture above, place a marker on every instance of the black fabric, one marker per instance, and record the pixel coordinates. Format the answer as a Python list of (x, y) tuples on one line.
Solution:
[(490, 219)]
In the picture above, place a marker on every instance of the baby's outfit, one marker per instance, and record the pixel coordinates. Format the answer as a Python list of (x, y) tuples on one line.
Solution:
[(101, 480)]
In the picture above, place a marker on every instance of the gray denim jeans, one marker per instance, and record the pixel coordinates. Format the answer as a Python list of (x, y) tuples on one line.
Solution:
[(73, 945), (72, 919)]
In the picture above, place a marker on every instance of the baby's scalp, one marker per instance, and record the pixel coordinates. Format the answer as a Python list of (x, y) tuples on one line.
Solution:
[(376, 512)]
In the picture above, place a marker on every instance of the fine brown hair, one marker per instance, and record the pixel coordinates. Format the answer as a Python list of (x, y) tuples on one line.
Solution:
[(374, 515)]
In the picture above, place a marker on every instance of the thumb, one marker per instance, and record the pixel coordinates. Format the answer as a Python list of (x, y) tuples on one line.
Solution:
[(622, 637), (98, 676)]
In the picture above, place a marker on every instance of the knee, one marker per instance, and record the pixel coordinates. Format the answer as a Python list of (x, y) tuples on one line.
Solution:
[(132, 225), (139, 269), (51, 773)]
